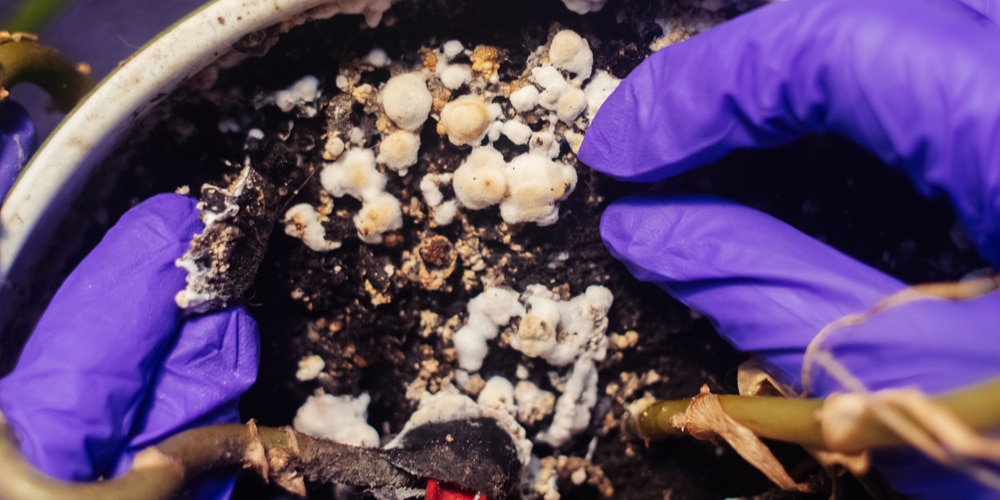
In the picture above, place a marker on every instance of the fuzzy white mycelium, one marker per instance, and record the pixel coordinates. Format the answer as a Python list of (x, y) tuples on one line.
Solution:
[(301, 96), (343, 419), (309, 368), (303, 222), (563, 333)]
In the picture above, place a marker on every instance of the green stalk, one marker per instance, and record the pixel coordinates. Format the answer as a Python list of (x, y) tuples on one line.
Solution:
[(22, 59), (794, 420), (31, 15)]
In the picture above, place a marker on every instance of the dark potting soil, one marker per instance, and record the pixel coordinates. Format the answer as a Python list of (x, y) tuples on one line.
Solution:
[(379, 329)]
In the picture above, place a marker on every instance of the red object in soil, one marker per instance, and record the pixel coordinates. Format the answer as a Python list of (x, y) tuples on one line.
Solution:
[(445, 491)]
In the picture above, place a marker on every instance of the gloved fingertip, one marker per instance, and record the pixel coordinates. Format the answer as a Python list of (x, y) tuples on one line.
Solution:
[(169, 216), (213, 361), (768, 288)]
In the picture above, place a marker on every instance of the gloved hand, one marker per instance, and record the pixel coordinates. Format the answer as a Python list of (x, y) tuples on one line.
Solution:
[(113, 366), (915, 83)]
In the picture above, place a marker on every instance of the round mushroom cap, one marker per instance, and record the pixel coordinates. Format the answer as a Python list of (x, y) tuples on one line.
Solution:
[(465, 120), (480, 181), (570, 52), (406, 100), (399, 150)]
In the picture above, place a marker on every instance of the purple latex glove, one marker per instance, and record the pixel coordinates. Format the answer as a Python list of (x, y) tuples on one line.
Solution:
[(914, 82), (113, 366)]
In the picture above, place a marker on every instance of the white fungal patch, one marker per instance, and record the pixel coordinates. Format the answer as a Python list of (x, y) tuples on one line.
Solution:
[(572, 102), (353, 174), (399, 151), (301, 95), (533, 404), (444, 212), (340, 418), (534, 185), (406, 100), (309, 368), (333, 148), (563, 333), (572, 415), (498, 394), (453, 76), (524, 99), (380, 214), (517, 132), (430, 187), (302, 221), (570, 52), (584, 6), (481, 180), (452, 48), (488, 311), (465, 120), (598, 90), (377, 57)]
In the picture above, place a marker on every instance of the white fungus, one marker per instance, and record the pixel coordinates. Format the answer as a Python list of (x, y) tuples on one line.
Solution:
[(597, 91), (399, 151), (536, 334), (533, 404), (333, 148), (517, 132), (340, 418), (494, 131), (342, 83), (406, 100), (353, 174), (571, 104), (561, 332), (357, 136), (465, 120), (481, 181), (302, 94), (572, 415), (452, 48), (302, 221), (498, 394), (430, 188), (454, 76), (377, 57), (524, 99), (310, 367), (584, 6), (445, 213), (379, 214), (488, 311), (571, 52), (534, 185)]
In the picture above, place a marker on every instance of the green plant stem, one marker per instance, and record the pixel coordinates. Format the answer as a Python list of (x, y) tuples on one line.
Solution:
[(31, 15), (794, 420), (28, 61)]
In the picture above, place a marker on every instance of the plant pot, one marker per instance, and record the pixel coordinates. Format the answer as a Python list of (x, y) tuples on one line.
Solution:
[(379, 312)]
